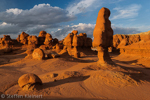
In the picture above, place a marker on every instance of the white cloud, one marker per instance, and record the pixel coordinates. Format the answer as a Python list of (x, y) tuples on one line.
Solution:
[(87, 5), (88, 29), (6, 28), (32, 21), (15, 11), (81, 27), (42, 14), (123, 30), (130, 11), (83, 6), (60, 33)]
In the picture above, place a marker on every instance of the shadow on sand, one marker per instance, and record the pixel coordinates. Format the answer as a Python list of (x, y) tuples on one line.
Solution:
[(62, 81), (137, 73), (65, 56)]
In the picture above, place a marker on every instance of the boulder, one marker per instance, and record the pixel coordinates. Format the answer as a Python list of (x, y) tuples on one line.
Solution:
[(27, 80), (38, 54)]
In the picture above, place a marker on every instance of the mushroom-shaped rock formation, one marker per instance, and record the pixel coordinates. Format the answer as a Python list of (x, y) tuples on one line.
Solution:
[(75, 44), (41, 37), (48, 39), (103, 36), (68, 41), (23, 38), (6, 44), (6, 41), (32, 40), (28, 80), (75, 38), (38, 54)]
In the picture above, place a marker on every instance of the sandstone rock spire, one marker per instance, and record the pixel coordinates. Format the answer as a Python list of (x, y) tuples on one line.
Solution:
[(103, 36)]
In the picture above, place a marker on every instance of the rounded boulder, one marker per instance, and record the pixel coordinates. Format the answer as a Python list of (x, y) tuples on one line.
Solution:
[(29, 79), (38, 54)]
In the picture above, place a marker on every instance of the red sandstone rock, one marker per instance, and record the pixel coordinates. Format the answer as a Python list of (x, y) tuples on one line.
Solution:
[(123, 43), (103, 35), (55, 41), (68, 40), (6, 41), (29, 79), (59, 46), (88, 42), (41, 37), (32, 40), (81, 38), (42, 34), (134, 39), (23, 38), (38, 54), (48, 39), (75, 38), (29, 51), (141, 48)]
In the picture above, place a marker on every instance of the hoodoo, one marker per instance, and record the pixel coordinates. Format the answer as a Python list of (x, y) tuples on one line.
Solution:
[(103, 36)]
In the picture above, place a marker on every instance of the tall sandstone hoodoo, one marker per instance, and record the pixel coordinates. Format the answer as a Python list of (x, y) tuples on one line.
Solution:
[(75, 44), (103, 36)]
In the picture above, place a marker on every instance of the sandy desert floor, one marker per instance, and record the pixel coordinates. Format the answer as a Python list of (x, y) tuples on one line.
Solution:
[(67, 78)]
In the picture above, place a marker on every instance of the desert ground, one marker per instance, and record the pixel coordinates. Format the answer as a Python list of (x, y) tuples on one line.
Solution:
[(70, 78)]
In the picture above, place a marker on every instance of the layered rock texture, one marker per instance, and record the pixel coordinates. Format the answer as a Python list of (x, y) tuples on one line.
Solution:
[(135, 44), (103, 36)]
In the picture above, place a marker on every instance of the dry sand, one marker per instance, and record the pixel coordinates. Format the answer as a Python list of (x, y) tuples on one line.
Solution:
[(67, 78)]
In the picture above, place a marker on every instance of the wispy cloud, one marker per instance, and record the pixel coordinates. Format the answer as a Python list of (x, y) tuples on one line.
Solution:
[(130, 11), (83, 6)]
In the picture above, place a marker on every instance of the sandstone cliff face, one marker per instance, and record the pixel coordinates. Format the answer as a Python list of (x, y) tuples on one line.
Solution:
[(136, 44), (132, 38), (141, 48)]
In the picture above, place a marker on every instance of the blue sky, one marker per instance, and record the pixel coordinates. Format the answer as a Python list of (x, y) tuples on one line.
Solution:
[(60, 17)]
